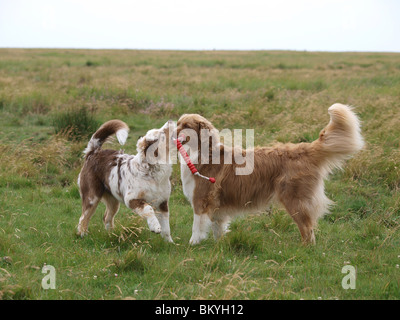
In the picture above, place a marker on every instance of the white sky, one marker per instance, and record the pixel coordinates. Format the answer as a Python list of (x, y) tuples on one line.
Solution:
[(314, 25)]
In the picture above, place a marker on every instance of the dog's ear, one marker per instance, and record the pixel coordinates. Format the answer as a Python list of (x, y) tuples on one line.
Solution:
[(203, 125), (211, 136), (148, 143), (144, 143), (169, 126), (151, 140)]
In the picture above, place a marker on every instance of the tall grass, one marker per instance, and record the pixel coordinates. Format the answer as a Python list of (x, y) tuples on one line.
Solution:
[(74, 124)]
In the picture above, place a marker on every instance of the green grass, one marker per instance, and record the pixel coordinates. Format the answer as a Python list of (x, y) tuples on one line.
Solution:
[(75, 124), (284, 96)]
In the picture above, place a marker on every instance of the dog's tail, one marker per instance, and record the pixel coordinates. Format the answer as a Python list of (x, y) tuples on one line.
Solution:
[(341, 137), (117, 127)]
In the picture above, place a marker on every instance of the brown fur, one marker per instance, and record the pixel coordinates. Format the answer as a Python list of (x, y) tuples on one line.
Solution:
[(290, 174), (164, 206), (137, 204), (93, 178)]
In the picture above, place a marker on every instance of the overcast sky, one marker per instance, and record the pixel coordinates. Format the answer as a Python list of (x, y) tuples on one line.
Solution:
[(314, 25)]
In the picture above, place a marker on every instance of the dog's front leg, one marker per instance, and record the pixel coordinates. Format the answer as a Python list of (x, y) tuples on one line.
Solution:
[(163, 218), (201, 226), (145, 211)]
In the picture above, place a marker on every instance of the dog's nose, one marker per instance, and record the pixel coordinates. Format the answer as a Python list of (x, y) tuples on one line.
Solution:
[(181, 137)]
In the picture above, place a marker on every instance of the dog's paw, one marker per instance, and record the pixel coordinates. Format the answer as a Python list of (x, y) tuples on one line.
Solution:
[(108, 226), (167, 238), (81, 233), (154, 225), (156, 229), (193, 241)]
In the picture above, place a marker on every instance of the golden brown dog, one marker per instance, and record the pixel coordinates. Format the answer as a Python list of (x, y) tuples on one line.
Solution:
[(289, 174)]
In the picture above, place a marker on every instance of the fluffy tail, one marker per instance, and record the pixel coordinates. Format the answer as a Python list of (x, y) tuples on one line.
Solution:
[(341, 137), (117, 127)]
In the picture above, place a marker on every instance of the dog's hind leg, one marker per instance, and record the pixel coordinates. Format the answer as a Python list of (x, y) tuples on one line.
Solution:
[(304, 223), (89, 205), (303, 217), (145, 211), (112, 207), (306, 210)]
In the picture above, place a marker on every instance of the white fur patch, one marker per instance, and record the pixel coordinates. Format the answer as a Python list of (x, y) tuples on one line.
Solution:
[(93, 144), (188, 182), (122, 135)]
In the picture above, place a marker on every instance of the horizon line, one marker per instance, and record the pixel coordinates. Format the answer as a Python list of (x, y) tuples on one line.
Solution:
[(199, 50)]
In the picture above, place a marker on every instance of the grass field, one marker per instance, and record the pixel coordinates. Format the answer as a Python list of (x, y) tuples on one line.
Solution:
[(284, 96)]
